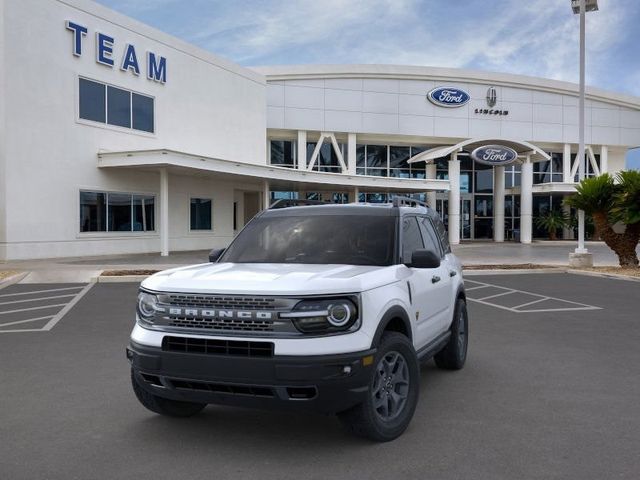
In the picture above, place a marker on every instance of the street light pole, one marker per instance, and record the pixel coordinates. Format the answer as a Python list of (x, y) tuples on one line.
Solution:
[(581, 257), (581, 157)]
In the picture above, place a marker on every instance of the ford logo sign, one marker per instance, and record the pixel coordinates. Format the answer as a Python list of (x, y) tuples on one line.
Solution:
[(494, 155), (448, 97)]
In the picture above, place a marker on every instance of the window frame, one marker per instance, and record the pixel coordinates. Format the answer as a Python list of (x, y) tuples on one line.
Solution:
[(108, 126), (116, 233), (201, 230)]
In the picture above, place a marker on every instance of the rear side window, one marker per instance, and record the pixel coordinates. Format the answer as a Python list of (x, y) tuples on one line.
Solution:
[(442, 233), (431, 241), (411, 238)]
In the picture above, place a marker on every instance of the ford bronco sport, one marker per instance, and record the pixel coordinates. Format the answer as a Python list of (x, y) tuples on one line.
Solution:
[(328, 308)]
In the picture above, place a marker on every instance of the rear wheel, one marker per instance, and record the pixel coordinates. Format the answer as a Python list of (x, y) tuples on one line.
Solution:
[(164, 406), (392, 395), (454, 354)]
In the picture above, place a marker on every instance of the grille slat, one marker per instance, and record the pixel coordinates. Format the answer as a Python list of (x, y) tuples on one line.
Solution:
[(216, 301), (249, 390), (209, 346)]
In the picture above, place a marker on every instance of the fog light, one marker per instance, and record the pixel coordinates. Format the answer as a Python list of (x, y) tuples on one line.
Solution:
[(368, 360)]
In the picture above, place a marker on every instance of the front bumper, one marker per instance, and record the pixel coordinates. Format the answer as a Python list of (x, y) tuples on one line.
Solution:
[(325, 384)]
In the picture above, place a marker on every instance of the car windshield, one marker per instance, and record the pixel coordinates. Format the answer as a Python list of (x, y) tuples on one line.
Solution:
[(342, 239)]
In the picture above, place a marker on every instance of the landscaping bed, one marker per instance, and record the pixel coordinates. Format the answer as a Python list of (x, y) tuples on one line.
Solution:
[(517, 266), (629, 272), (125, 273)]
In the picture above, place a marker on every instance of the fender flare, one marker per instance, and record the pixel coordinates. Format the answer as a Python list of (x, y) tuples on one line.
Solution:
[(395, 311)]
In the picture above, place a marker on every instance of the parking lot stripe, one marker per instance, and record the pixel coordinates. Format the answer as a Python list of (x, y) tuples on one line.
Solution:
[(498, 295), (39, 299), (42, 291), (51, 323), (24, 321), (33, 308)]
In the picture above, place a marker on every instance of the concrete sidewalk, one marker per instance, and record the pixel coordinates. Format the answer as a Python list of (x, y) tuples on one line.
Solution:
[(83, 269)]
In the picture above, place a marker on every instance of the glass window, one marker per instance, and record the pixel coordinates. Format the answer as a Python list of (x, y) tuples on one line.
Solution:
[(93, 212), (119, 213), (143, 113), (283, 153), (360, 155), (92, 101), (201, 214), (377, 156), (411, 238), (316, 239), (118, 107), (483, 205), (483, 181), (144, 213), (429, 236)]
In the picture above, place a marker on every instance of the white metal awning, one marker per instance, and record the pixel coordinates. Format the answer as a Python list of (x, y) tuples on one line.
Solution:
[(522, 148)]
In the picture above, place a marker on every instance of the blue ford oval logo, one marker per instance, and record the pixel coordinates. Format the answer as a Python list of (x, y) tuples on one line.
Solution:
[(448, 96), (494, 155)]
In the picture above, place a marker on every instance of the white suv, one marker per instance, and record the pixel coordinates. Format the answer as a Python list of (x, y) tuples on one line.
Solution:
[(328, 308)]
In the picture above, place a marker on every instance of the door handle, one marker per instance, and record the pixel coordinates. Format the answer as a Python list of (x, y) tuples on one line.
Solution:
[(452, 273), (435, 279)]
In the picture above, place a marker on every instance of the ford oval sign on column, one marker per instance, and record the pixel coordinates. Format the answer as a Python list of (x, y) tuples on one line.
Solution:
[(494, 155), (448, 97)]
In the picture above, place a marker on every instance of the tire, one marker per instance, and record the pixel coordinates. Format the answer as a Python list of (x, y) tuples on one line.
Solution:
[(164, 406), (454, 353), (396, 372)]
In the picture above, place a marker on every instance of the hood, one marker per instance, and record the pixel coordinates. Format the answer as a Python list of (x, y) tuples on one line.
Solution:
[(271, 278)]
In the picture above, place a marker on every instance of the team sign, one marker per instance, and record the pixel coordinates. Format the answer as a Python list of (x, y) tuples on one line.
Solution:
[(156, 65)]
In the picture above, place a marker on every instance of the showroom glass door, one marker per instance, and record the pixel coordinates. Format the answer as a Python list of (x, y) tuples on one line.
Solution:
[(466, 232)]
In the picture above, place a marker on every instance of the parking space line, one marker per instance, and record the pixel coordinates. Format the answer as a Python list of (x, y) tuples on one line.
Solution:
[(51, 323), (39, 299), (33, 308), (41, 291), (25, 321), (520, 308)]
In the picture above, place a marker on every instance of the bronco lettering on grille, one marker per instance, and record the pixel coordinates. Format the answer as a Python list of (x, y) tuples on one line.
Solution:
[(209, 313)]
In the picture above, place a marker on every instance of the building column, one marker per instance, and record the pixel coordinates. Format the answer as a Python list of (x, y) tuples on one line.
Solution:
[(351, 153), (604, 159), (266, 195), (567, 231), (526, 201), (566, 164), (302, 150), (498, 204), (430, 173), (454, 199), (356, 194), (164, 212)]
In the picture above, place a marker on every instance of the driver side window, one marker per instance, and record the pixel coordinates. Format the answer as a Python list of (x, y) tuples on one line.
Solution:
[(411, 238)]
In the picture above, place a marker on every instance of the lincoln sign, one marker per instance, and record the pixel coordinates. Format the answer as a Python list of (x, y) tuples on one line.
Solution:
[(494, 155)]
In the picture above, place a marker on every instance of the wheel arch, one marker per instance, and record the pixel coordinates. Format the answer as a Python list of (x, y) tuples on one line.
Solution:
[(396, 319)]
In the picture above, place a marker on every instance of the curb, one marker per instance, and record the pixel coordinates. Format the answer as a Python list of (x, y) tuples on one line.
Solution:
[(613, 276), (120, 279), (5, 282), (519, 271)]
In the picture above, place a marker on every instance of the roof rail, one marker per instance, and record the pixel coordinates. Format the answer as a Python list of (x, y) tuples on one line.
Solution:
[(295, 202), (399, 201)]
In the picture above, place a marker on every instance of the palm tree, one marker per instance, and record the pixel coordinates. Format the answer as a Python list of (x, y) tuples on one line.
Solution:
[(551, 221), (609, 202)]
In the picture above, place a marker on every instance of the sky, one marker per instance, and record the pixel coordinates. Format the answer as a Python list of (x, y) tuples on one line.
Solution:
[(530, 37)]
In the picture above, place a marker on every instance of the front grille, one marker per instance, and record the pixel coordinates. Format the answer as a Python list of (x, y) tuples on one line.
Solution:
[(221, 324), (217, 347), (219, 301), (250, 390)]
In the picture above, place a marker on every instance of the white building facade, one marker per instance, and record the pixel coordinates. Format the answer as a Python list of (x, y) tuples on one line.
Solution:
[(117, 138)]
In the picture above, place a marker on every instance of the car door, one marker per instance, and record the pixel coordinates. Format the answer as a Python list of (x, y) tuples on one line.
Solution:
[(443, 302), (423, 284)]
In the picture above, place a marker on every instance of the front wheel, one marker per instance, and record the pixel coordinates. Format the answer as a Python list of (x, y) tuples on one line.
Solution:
[(454, 353), (164, 406), (392, 395)]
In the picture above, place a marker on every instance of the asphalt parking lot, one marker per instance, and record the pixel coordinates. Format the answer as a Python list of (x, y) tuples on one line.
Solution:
[(551, 390)]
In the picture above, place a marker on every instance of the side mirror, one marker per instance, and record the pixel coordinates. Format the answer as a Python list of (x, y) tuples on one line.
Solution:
[(424, 259), (215, 254)]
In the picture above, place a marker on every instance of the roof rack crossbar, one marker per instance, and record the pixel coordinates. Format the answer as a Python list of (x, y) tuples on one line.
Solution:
[(294, 202), (400, 201)]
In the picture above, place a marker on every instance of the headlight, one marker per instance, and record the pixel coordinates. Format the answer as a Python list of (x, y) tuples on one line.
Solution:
[(328, 315), (147, 306)]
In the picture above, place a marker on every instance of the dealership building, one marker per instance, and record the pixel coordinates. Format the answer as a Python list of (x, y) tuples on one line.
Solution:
[(118, 138)]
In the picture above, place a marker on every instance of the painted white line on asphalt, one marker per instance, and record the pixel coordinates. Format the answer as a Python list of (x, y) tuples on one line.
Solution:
[(33, 308), (475, 288), (51, 323), (39, 299), (24, 321), (42, 291), (519, 308)]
